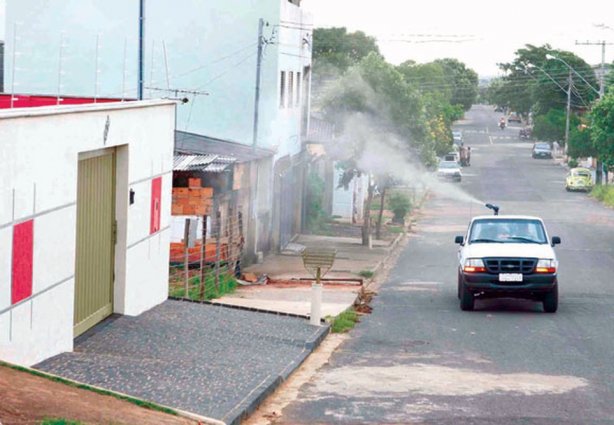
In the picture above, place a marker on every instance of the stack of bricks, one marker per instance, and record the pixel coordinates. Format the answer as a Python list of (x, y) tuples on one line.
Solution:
[(192, 200)]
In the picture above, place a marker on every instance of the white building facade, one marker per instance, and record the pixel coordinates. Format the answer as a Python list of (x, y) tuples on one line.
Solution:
[(84, 220)]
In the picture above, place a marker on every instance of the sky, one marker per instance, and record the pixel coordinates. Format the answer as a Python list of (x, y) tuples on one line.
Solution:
[(480, 33)]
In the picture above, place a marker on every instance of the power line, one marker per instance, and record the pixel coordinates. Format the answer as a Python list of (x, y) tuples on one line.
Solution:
[(218, 60)]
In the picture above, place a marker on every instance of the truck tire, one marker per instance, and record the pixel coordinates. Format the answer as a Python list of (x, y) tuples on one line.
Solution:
[(467, 300), (551, 300)]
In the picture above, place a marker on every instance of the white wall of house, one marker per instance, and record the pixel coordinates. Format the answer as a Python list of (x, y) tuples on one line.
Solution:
[(39, 154), (349, 202)]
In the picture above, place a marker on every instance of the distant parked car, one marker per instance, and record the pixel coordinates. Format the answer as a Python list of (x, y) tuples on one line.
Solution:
[(514, 117), (449, 170), (458, 138), (498, 108), (579, 179), (541, 150), (452, 156)]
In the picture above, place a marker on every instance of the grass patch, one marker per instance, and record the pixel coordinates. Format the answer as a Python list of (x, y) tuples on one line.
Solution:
[(367, 274), (395, 230), (344, 322), (604, 194), (60, 422), (60, 380), (228, 285)]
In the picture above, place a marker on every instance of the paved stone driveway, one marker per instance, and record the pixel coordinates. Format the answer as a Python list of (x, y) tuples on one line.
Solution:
[(214, 361)]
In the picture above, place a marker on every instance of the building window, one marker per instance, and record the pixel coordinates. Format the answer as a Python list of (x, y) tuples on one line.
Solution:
[(298, 89), (282, 90), (290, 89)]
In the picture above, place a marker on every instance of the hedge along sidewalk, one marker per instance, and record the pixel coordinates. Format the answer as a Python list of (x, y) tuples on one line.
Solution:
[(138, 403)]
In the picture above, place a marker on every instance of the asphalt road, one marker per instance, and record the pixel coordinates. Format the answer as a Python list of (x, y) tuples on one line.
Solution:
[(419, 359)]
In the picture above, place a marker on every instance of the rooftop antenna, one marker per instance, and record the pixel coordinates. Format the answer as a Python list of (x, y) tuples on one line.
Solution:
[(495, 208)]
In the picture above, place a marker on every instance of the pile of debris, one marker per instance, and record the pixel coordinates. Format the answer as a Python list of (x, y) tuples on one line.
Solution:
[(362, 304)]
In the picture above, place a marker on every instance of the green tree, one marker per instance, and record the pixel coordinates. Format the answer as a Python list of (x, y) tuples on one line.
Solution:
[(463, 82), (536, 82), (602, 129), (581, 143), (550, 126), (336, 48)]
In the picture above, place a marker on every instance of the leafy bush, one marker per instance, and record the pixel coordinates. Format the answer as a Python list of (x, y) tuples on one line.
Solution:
[(400, 205), (367, 274), (604, 194), (344, 321), (228, 285), (573, 163), (316, 216)]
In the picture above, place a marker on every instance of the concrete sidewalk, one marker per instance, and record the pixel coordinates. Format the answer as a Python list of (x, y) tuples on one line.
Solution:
[(287, 293), (212, 361)]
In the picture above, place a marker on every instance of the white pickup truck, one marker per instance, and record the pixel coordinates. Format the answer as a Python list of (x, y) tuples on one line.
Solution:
[(507, 256)]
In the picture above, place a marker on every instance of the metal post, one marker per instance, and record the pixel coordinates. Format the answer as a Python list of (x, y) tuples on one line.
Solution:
[(141, 48), (96, 66), (316, 301), (124, 70), (258, 75), (13, 65), (203, 255), (599, 164), (230, 245), (186, 258), (218, 246), (60, 60)]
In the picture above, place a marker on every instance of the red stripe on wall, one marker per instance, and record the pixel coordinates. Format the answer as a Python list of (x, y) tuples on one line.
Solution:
[(156, 200), (23, 247)]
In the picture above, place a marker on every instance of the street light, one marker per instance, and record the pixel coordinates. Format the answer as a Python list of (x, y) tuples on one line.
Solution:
[(549, 56), (568, 92), (598, 171)]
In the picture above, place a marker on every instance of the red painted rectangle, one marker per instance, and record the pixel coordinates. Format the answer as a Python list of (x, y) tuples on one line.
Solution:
[(23, 248), (156, 200)]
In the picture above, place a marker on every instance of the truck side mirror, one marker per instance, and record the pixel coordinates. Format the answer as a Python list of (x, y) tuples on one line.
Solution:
[(556, 240), (459, 240)]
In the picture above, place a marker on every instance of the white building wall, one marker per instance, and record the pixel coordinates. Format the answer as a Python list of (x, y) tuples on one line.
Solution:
[(346, 201), (39, 151)]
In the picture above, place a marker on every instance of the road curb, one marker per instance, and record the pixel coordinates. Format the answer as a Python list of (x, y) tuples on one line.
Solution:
[(248, 405), (241, 307)]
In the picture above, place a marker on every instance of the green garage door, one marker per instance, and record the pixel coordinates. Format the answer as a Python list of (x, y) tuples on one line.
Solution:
[(95, 241)]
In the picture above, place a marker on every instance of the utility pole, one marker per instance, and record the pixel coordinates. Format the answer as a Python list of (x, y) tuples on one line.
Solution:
[(603, 43), (258, 75), (569, 82)]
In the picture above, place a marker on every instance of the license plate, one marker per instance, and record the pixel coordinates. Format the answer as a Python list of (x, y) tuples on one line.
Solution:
[(510, 277)]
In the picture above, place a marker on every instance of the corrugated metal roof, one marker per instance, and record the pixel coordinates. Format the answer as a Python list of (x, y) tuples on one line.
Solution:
[(189, 143), (203, 163)]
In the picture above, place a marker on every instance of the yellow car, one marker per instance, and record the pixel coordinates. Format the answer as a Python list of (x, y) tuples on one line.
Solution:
[(579, 179)]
